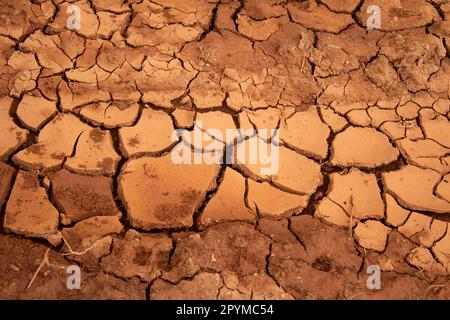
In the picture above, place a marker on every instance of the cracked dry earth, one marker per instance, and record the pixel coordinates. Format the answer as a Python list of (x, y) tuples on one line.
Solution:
[(86, 123)]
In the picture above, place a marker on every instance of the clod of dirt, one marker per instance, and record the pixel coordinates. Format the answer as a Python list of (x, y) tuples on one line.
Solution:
[(137, 140), (183, 118), (423, 229), (54, 143), (408, 111), (91, 75), (176, 190), (33, 111), (76, 94), (362, 147), (295, 173), (372, 235), (359, 118), (111, 22), (264, 118), (413, 188), (94, 154), (305, 132), (278, 204), (425, 153), (111, 114), (80, 197), (215, 124), (395, 214), (29, 212), (335, 121), (228, 203), (378, 116), (26, 70), (138, 255), (11, 136), (352, 195), (435, 127)]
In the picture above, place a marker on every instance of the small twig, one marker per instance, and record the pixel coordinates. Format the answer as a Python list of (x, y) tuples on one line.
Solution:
[(76, 253), (435, 286), (43, 262)]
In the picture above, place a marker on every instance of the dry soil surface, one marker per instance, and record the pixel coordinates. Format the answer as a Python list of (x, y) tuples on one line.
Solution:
[(85, 142)]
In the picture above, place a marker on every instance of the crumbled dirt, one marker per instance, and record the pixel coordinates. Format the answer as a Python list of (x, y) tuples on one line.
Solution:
[(86, 136)]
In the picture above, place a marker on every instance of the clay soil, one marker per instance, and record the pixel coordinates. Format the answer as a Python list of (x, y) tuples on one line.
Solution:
[(86, 121)]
